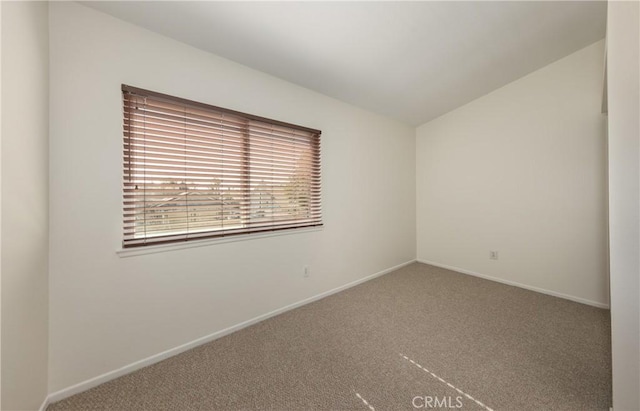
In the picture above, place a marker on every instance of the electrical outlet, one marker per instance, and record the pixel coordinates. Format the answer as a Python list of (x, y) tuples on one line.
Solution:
[(493, 255), (306, 272)]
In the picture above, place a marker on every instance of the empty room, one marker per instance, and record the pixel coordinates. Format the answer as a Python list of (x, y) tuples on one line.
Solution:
[(216, 205)]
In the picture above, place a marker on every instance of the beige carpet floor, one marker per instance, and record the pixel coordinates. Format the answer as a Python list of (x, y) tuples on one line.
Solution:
[(463, 337)]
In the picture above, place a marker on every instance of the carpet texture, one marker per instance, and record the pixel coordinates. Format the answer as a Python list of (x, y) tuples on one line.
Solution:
[(418, 337)]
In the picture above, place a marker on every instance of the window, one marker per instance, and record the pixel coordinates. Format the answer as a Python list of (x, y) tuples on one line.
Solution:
[(194, 171)]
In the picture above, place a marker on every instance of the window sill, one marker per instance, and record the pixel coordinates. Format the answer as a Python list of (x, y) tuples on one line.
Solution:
[(162, 248)]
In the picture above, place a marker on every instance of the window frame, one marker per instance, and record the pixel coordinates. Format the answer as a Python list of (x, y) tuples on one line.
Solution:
[(314, 183)]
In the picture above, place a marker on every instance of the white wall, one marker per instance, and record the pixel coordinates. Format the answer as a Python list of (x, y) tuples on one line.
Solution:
[(623, 84), (522, 171), (106, 311), (25, 153), (0, 205)]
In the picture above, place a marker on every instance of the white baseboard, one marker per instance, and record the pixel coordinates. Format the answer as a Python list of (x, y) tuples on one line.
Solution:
[(101, 379), (44, 405), (516, 284)]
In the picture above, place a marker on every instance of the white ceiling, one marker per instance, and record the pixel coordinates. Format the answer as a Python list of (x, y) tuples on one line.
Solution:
[(409, 60)]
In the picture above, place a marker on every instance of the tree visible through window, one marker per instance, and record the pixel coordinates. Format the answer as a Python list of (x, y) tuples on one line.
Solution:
[(193, 171)]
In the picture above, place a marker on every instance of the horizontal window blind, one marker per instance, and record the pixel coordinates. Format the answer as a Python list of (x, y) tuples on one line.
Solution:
[(193, 171)]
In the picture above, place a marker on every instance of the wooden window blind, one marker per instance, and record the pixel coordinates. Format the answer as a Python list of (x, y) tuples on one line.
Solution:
[(194, 171)]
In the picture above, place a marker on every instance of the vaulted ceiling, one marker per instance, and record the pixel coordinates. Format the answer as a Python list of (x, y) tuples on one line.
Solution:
[(412, 61)]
